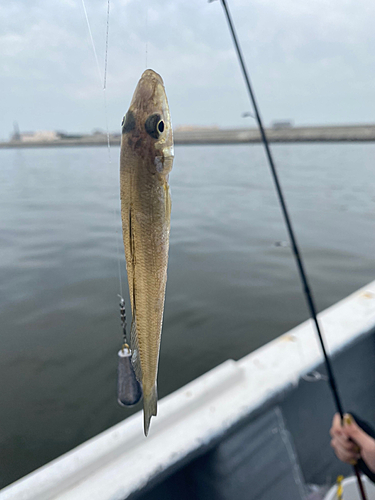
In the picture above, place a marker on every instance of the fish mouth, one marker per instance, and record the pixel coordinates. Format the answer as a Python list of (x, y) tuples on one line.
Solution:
[(149, 84), (150, 74)]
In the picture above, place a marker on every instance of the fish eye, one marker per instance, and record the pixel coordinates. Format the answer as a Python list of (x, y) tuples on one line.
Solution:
[(161, 126), (154, 125)]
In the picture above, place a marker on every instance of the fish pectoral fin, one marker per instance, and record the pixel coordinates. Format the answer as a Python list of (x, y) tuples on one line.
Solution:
[(150, 408), (168, 201)]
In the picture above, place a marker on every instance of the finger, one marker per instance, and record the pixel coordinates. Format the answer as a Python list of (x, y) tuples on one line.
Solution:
[(338, 432), (345, 446), (348, 445), (343, 454), (336, 425), (345, 442)]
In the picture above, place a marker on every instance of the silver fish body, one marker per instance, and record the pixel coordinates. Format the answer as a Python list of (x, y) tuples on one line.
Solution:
[(145, 162)]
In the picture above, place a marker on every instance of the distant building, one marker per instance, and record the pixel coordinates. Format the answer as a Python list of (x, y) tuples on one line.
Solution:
[(282, 124), (188, 128), (39, 136), (66, 135), (98, 131)]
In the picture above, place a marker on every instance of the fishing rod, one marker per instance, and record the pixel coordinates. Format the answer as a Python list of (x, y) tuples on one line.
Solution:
[(297, 254)]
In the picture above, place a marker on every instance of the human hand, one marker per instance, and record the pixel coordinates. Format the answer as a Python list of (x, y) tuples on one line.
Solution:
[(350, 442)]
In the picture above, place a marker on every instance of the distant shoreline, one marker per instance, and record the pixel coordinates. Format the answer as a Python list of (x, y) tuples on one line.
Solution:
[(331, 133)]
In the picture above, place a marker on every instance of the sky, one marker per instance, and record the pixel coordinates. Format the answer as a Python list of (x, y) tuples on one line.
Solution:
[(311, 61)]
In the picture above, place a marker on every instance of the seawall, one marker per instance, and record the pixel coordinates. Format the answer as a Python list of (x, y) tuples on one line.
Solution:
[(332, 133)]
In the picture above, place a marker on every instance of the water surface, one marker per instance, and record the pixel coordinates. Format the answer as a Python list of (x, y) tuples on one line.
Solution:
[(232, 286)]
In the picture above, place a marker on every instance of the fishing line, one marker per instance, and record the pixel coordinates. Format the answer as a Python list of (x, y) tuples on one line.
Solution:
[(106, 50), (122, 303), (103, 86), (295, 248), (129, 390), (92, 41), (146, 35)]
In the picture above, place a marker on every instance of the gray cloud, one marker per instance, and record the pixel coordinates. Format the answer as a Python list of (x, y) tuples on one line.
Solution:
[(310, 61)]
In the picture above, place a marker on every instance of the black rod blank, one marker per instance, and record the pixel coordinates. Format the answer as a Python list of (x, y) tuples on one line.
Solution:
[(296, 251), (297, 254)]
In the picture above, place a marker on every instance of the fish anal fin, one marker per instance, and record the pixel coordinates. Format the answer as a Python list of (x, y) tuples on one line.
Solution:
[(134, 346)]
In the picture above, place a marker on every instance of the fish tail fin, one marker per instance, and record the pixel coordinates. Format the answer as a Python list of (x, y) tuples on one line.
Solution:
[(150, 408)]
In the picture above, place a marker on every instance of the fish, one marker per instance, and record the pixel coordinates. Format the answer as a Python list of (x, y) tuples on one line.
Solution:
[(146, 159)]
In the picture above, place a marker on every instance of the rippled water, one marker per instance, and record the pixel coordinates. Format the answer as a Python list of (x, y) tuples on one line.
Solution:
[(231, 285)]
